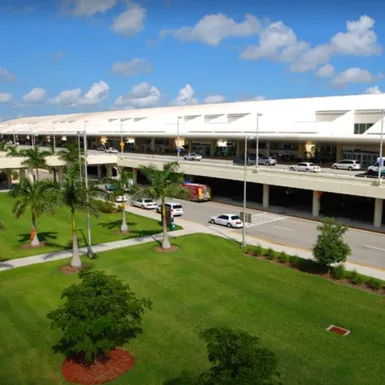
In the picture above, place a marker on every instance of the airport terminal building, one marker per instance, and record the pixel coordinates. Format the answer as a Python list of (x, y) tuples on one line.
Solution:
[(327, 128)]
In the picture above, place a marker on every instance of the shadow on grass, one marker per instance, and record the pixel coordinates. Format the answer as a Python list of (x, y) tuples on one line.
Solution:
[(44, 236), (115, 224), (311, 267), (184, 379)]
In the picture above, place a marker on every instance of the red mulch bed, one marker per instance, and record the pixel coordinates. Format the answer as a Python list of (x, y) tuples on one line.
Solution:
[(160, 250), (29, 246), (68, 269), (116, 363)]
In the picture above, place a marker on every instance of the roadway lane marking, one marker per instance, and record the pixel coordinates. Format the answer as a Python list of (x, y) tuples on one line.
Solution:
[(283, 228), (374, 248)]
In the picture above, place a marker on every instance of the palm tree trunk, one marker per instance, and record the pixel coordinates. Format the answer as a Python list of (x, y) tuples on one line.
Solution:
[(124, 227), (165, 241), (35, 240), (54, 175), (75, 261)]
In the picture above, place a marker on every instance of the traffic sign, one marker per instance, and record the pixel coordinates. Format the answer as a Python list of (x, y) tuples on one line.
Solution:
[(122, 144)]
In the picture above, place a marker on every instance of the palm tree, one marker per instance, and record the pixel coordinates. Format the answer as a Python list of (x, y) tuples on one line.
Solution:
[(122, 186), (164, 183), (76, 197), (13, 151), (70, 155), (40, 197), (36, 159)]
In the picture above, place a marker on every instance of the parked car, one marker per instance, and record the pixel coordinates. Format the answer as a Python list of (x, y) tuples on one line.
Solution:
[(176, 209), (305, 166), (109, 187), (193, 156), (240, 161), (376, 165), (347, 165), (146, 203), (267, 161), (229, 220), (111, 150), (121, 198)]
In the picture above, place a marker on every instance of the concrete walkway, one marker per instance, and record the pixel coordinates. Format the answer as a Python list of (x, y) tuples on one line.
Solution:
[(188, 228)]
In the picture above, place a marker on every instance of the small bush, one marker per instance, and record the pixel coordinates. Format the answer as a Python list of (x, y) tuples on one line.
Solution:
[(375, 283), (338, 272), (259, 250), (104, 206), (356, 278), (295, 260), (119, 209), (248, 250), (284, 258), (271, 254)]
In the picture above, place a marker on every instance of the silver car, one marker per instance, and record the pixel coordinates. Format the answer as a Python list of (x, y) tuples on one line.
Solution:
[(192, 156), (347, 165), (267, 161), (306, 166)]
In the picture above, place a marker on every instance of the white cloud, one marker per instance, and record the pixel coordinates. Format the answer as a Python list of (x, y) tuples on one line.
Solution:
[(278, 42), (36, 95), (5, 98), (354, 75), (185, 97), (326, 71), (133, 67), (89, 7), (217, 98), (212, 29), (360, 39), (130, 22), (6, 75), (373, 90), (72, 98), (141, 96)]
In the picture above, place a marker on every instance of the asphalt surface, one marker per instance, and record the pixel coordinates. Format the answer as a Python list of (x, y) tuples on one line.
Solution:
[(368, 248)]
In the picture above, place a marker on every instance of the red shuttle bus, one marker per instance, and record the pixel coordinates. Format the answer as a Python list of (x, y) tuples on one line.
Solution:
[(198, 192)]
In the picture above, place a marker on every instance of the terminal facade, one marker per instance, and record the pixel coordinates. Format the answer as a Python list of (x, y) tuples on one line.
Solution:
[(325, 128)]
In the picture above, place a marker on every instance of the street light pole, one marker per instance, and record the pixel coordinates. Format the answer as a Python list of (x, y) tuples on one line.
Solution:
[(381, 144), (80, 156), (121, 137), (54, 137), (89, 247), (177, 138), (244, 195), (257, 142)]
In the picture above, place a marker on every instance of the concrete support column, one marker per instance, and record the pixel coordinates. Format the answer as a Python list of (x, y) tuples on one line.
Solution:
[(268, 149), (339, 152), (240, 149), (59, 174), (213, 147), (378, 204), (9, 179), (100, 172), (135, 175), (316, 204), (22, 173), (266, 196), (190, 145), (152, 145), (109, 171)]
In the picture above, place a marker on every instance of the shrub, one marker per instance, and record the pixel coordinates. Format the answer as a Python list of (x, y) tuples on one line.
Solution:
[(338, 272), (259, 250), (295, 260), (330, 247), (284, 258), (374, 283), (100, 313), (248, 250), (104, 206), (356, 278), (271, 254)]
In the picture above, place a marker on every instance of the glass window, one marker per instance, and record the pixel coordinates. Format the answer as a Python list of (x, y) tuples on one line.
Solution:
[(235, 217)]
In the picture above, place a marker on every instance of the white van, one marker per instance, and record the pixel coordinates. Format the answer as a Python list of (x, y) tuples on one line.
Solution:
[(175, 208)]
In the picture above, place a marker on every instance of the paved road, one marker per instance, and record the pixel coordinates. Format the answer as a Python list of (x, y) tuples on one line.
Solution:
[(368, 248)]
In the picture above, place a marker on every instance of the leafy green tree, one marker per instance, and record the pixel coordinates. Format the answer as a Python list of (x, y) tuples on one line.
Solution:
[(99, 314), (76, 197), (14, 151), (165, 183), (39, 197), (330, 247), (122, 186), (35, 158)]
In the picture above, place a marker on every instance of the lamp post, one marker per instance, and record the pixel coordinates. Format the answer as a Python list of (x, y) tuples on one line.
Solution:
[(121, 137), (257, 141), (244, 193), (177, 138), (80, 155), (14, 137), (54, 137), (381, 144)]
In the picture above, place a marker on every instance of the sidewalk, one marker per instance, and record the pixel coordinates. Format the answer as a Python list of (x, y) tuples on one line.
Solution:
[(188, 228)]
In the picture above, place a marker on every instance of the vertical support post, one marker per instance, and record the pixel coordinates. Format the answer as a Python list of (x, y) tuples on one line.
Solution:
[(380, 166), (266, 196), (99, 172), (89, 248), (244, 195), (177, 139), (60, 174), (54, 137), (316, 204), (109, 171), (378, 206), (135, 175)]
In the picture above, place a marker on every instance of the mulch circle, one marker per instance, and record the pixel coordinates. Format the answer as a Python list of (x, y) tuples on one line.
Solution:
[(29, 246), (124, 232), (68, 269), (116, 363), (160, 250)]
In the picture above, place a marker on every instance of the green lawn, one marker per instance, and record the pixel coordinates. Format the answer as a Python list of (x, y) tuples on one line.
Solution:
[(56, 230), (209, 282)]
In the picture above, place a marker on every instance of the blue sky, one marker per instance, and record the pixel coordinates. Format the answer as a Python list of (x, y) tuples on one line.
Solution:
[(64, 56)]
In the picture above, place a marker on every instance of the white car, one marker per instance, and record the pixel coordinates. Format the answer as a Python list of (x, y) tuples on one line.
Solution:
[(145, 203), (347, 165), (121, 198), (229, 220), (176, 209), (306, 166), (192, 156), (111, 150)]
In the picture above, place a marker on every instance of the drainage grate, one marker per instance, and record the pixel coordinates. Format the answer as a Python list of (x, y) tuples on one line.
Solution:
[(338, 330)]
